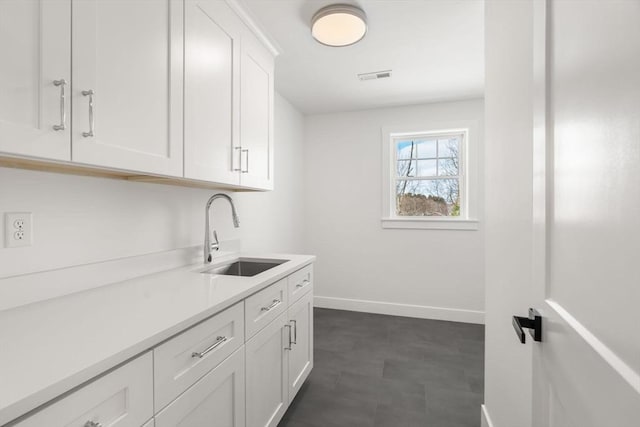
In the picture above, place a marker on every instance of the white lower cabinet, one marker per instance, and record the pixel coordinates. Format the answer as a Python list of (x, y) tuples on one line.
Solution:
[(214, 374), (279, 360), (301, 353), (216, 400), (267, 382), (122, 398), (184, 359)]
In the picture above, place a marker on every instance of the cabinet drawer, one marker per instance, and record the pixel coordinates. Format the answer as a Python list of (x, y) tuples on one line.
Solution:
[(181, 361), (300, 282), (263, 307), (215, 400), (122, 398)]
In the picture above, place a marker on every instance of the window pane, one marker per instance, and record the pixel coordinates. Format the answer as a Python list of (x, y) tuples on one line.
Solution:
[(406, 168), (449, 147), (426, 168), (447, 167), (427, 149), (428, 197), (405, 150)]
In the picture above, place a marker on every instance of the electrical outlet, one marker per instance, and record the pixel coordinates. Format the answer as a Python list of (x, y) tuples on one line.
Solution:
[(18, 229)]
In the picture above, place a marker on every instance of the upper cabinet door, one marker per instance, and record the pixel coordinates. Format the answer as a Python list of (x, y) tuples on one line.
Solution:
[(35, 76), (212, 88), (256, 114), (127, 92)]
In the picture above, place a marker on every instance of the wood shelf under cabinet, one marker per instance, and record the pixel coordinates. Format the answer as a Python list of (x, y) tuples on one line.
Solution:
[(93, 171)]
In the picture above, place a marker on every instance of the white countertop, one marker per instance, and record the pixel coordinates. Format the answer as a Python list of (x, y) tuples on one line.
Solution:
[(50, 347)]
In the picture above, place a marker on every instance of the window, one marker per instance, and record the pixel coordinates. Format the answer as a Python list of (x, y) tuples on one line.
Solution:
[(425, 179), (428, 174)]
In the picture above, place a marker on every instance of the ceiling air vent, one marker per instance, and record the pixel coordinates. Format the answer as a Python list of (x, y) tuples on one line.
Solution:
[(375, 75)]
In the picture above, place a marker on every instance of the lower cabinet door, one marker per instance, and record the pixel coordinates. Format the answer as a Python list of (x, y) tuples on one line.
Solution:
[(301, 354), (121, 398), (216, 400), (267, 389)]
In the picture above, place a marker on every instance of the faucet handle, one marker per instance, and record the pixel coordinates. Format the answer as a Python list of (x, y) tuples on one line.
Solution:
[(215, 246)]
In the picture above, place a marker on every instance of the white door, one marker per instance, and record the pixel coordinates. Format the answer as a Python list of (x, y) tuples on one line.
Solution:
[(35, 44), (216, 400), (301, 354), (587, 213), (212, 92), (127, 93), (256, 115), (267, 391)]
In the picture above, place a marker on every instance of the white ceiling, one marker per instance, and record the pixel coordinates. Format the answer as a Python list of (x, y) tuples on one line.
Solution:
[(434, 47)]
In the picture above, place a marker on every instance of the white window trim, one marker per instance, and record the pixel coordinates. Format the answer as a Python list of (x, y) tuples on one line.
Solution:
[(469, 178)]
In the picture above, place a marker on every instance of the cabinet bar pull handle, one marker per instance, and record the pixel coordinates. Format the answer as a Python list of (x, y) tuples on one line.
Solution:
[(219, 341), (304, 283), (295, 331), (63, 112), (92, 424), (90, 94), (289, 327), (273, 304), (244, 150), (239, 169)]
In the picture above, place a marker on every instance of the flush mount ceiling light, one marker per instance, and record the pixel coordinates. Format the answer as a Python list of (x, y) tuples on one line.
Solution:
[(339, 25)]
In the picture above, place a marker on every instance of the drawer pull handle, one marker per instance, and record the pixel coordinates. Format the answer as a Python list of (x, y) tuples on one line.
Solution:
[(304, 283), (272, 306), (92, 424), (219, 341)]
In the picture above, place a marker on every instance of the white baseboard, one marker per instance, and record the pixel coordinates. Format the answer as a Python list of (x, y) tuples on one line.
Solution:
[(486, 419), (406, 310)]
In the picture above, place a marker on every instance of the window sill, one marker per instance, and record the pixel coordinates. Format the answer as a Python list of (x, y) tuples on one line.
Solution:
[(430, 223)]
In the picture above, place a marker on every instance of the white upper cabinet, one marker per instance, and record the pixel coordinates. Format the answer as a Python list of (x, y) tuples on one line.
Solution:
[(256, 114), (176, 88), (128, 84), (212, 89), (228, 99), (35, 44)]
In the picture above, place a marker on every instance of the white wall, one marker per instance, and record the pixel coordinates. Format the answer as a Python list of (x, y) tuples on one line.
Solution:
[(274, 221), (80, 220), (423, 273), (509, 183)]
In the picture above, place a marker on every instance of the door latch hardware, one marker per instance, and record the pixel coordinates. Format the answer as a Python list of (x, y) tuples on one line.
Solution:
[(533, 323)]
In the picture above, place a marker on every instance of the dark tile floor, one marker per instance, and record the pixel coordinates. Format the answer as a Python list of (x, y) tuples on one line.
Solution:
[(385, 371)]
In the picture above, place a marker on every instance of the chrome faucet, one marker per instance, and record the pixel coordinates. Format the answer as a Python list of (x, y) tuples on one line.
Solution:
[(208, 246)]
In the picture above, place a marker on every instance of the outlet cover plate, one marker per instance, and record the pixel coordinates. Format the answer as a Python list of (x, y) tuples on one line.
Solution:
[(18, 229)]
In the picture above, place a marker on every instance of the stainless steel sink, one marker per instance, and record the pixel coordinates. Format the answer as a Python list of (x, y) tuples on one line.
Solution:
[(246, 267)]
